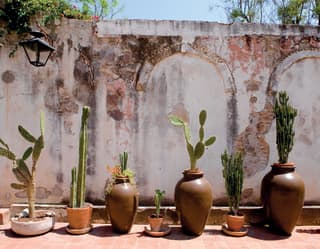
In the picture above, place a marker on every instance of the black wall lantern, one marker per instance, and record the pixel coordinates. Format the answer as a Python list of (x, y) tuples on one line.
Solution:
[(37, 50)]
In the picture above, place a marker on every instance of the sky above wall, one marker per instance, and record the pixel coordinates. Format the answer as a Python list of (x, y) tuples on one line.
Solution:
[(198, 10)]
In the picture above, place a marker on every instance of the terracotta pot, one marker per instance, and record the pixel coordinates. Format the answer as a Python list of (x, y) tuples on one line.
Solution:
[(193, 199), (282, 195), (79, 219), (235, 222), (122, 205), (155, 223)]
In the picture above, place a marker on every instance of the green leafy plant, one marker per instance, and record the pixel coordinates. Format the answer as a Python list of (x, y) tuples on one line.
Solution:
[(18, 14), (233, 179), (120, 171), (78, 175), (20, 169), (197, 151), (100, 9), (158, 195), (285, 115)]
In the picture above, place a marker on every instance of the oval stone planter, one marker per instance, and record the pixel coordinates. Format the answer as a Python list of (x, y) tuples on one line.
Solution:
[(282, 195), (193, 199), (31, 228), (122, 205)]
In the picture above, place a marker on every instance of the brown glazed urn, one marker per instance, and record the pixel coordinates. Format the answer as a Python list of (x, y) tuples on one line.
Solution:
[(122, 205), (282, 196), (79, 219), (193, 199)]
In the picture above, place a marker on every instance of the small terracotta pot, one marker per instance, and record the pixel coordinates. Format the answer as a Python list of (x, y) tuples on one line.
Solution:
[(155, 222), (235, 222), (79, 218)]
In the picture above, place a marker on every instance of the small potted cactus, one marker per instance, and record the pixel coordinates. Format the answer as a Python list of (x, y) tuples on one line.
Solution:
[(121, 196), (79, 213), (233, 178), (156, 220), (29, 222), (282, 189), (193, 193)]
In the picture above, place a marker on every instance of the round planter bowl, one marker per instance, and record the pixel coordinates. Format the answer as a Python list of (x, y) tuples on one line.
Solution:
[(32, 228)]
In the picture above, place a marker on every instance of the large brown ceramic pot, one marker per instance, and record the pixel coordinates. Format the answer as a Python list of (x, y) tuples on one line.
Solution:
[(282, 195), (122, 204), (193, 199)]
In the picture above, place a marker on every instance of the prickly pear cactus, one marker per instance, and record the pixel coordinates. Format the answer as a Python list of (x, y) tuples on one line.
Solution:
[(285, 115), (197, 151), (24, 176)]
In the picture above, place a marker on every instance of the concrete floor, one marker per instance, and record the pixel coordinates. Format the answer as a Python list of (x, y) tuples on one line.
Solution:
[(102, 237)]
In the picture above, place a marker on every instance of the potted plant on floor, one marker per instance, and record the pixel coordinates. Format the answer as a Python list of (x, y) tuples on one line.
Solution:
[(121, 196), (282, 189), (193, 193), (233, 180), (156, 220), (79, 213), (30, 222)]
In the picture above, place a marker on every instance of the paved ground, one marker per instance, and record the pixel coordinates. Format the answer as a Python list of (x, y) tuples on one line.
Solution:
[(102, 237)]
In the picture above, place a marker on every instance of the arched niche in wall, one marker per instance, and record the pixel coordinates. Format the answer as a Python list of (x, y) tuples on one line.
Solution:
[(183, 84), (299, 75)]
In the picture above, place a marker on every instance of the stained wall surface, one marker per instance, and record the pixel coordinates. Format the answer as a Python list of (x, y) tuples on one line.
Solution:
[(134, 74)]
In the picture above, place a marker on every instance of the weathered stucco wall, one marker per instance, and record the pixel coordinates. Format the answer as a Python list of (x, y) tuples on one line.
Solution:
[(134, 74)]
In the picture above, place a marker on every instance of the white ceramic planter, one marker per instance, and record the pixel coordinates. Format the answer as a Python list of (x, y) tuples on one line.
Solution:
[(31, 228)]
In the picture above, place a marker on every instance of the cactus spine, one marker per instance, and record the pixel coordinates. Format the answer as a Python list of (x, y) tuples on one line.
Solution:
[(233, 177), (197, 151), (78, 175), (20, 169), (285, 115)]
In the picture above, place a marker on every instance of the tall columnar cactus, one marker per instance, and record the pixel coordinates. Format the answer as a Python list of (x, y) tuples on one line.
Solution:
[(285, 115), (233, 178), (158, 195), (123, 161), (78, 175), (20, 169), (197, 151)]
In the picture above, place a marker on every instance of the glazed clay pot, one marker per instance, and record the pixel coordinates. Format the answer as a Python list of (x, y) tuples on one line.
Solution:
[(193, 199), (122, 204), (79, 219), (282, 195), (235, 222)]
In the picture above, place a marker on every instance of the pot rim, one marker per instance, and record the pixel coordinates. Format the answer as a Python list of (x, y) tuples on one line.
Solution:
[(154, 216), (235, 215), (86, 206), (284, 165), (195, 171)]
